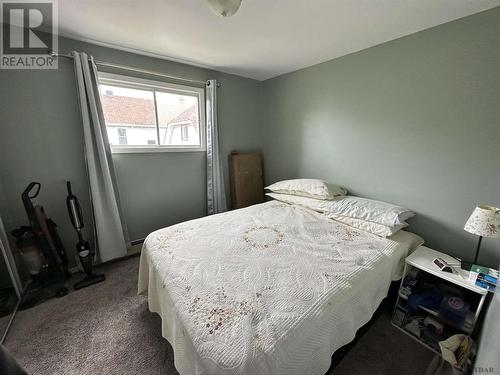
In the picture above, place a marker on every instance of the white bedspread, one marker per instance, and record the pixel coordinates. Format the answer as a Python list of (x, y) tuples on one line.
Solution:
[(269, 289)]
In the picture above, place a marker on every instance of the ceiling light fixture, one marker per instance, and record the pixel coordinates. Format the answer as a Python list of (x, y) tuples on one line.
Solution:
[(224, 8)]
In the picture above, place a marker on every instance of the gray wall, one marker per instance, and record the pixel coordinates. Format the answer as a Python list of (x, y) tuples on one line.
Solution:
[(41, 140), (415, 121)]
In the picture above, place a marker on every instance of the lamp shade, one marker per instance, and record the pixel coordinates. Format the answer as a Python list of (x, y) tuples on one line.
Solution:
[(484, 221)]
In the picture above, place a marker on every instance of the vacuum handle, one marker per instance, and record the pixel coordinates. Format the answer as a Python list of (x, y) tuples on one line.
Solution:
[(68, 186), (74, 209), (31, 191), (26, 193)]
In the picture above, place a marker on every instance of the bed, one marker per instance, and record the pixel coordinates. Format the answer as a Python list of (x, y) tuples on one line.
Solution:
[(269, 289)]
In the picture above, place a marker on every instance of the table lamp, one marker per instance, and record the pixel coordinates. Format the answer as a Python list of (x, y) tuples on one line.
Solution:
[(484, 222)]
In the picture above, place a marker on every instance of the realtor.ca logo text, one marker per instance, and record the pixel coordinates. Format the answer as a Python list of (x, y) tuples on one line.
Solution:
[(29, 32)]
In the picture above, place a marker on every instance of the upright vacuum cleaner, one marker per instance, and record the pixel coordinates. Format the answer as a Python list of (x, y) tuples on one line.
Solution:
[(47, 260), (84, 251)]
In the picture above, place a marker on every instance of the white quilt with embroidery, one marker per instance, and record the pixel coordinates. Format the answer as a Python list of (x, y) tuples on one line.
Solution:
[(269, 289)]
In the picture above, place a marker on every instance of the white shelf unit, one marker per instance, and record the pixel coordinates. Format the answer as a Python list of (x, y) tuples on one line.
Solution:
[(422, 259)]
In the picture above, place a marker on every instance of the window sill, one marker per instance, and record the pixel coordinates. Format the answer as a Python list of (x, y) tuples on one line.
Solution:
[(147, 150)]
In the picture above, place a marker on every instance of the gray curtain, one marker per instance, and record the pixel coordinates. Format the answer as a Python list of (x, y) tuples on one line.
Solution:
[(10, 262), (216, 193), (110, 230)]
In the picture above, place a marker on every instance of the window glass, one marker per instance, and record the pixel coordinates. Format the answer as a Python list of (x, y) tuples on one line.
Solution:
[(129, 115), (178, 118), (144, 115)]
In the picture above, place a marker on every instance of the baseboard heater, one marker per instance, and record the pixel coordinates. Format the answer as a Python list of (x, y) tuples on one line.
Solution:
[(137, 242)]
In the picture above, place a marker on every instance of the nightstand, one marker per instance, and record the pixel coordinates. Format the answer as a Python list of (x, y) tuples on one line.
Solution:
[(426, 294)]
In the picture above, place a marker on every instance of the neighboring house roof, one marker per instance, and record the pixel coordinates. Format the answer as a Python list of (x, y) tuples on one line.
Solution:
[(127, 110), (189, 115)]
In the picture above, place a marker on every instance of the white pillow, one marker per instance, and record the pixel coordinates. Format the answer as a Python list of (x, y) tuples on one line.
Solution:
[(308, 187), (379, 212), (349, 206), (311, 203), (368, 226)]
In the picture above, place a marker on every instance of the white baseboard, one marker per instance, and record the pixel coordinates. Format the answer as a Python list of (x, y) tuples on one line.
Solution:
[(134, 249)]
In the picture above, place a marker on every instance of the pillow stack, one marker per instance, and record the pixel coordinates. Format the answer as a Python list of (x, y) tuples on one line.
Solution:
[(308, 187), (380, 218)]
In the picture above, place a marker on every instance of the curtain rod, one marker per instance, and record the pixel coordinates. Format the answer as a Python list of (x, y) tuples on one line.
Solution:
[(132, 69)]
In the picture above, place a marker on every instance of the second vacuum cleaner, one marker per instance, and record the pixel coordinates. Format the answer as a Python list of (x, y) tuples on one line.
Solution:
[(83, 248)]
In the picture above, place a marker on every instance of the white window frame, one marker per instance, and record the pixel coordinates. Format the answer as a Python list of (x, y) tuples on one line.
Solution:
[(146, 84)]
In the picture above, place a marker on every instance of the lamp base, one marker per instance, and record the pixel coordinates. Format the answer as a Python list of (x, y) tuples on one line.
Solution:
[(467, 265)]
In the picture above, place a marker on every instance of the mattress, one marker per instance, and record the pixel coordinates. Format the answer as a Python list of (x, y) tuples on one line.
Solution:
[(269, 289)]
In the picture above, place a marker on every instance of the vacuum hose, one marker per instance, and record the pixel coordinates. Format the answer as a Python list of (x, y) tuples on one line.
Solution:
[(85, 252), (74, 209), (83, 249)]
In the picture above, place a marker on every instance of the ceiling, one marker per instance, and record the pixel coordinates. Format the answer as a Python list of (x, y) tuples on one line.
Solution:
[(266, 38)]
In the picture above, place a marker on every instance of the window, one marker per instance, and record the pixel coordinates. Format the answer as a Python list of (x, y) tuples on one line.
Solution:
[(122, 136), (185, 132), (149, 116)]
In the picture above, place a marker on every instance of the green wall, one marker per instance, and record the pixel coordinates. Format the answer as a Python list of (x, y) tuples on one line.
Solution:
[(41, 140), (415, 121)]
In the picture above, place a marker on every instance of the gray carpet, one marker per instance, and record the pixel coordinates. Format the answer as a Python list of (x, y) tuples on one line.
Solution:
[(107, 329)]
